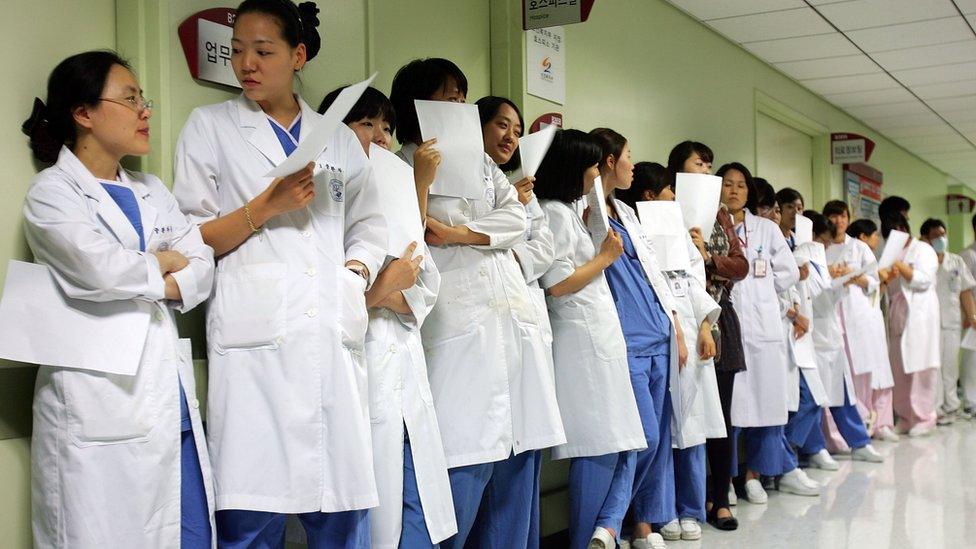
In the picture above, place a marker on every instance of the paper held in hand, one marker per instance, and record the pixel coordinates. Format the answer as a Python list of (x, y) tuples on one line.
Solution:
[(533, 149), (969, 340), (802, 230), (312, 146), (893, 248), (39, 324), (664, 226), (400, 208), (699, 195), (458, 131), (598, 220)]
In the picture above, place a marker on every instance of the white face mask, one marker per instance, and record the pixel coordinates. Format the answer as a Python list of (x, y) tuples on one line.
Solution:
[(940, 244)]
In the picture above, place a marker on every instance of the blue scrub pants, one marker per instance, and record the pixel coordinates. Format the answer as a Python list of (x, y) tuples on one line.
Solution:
[(849, 423), (600, 489), (240, 529), (414, 531), (767, 450), (654, 473), (494, 502), (803, 428), (689, 482), (194, 514)]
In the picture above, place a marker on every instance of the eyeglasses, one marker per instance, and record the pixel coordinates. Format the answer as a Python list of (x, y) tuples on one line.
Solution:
[(137, 104)]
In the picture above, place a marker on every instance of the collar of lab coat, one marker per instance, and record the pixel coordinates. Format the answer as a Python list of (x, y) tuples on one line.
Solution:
[(259, 133), (108, 210), (406, 152)]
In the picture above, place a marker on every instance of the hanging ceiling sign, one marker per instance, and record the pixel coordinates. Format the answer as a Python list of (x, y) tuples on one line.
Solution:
[(850, 148), (537, 14), (205, 37)]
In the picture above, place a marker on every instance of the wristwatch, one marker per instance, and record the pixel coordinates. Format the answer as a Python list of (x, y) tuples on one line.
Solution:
[(360, 270)]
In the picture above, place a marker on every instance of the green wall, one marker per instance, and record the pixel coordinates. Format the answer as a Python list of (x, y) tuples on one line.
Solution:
[(639, 66)]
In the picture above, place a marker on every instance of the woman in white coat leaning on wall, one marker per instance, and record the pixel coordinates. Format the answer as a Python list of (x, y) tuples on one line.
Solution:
[(118, 454), (287, 321)]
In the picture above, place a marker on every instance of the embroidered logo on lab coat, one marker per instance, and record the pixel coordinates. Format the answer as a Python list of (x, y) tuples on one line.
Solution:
[(335, 188), (490, 194), (163, 230)]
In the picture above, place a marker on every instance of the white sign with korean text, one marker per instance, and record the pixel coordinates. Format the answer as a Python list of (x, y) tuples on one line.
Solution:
[(213, 53), (848, 151), (545, 62)]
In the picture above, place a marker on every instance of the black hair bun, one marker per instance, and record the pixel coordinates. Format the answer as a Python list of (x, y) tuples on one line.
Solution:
[(309, 13), (43, 143)]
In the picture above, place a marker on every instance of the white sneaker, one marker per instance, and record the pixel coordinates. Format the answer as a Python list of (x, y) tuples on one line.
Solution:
[(733, 497), (796, 482), (653, 541), (867, 453), (671, 531), (690, 529), (920, 431), (964, 414), (945, 419), (755, 493), (823, 460), (805, 479), (602, 539), (887, 434)]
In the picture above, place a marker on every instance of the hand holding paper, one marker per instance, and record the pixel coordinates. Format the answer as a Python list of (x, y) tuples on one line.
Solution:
[(699, 195), (399, 202), (598, 220), (893, 248), (318, 139), (533, 148), (663, 224), (803, 230), (457, 128)]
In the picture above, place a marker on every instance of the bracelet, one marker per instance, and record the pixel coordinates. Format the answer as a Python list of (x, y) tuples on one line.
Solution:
[(247, 216)]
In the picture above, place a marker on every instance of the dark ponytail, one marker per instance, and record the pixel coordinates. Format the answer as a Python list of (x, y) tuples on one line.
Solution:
[(76, 82), (299, 24)]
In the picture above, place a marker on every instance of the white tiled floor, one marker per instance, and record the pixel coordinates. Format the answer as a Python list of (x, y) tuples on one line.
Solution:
[(922, 497)]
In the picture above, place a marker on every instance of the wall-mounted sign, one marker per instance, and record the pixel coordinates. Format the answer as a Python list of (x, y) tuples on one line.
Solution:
[(205, 37), (849, 148), (537, 14), (546, 120), (545, 63), (863, 186)]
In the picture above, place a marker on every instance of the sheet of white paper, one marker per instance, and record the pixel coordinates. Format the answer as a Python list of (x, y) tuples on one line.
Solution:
[(699, 195), (841, 280), (664, 226), (803, 230), (969, 340), (598, 220), (316, 141), (803, 351), (458, 131), (39, 324), (532, 149), (893, 248), (395, 180)]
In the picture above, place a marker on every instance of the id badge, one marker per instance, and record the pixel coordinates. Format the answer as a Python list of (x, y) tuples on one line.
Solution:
[(679, 287), (759, 268)]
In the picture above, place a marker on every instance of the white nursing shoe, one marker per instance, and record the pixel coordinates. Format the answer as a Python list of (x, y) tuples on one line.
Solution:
[(867, 453), (755, 492), (823, 460), (602, 539)]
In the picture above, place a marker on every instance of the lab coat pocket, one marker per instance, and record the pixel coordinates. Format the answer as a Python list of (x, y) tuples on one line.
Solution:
[(353, 317), (107, 409), (458, 305), (538, 296), (248, 308), (604, 330), (379, 359), (769, 322)]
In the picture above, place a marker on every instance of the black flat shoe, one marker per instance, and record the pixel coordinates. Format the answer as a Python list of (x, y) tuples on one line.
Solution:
[(723, 523)]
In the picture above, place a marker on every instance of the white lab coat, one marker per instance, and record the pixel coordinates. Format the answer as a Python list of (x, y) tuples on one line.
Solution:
[(807, 290), (535, 254), (589, 350), (759, 397), (835, 371), (788, 299), (855, 307), (952, 278), (920, 344), (486, 355), (287, 321), (105, 451)]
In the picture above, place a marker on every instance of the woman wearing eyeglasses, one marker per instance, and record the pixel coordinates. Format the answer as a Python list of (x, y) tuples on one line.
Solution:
[(118, 456)]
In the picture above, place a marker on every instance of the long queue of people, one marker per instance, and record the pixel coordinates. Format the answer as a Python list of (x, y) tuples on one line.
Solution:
[(403, 398)]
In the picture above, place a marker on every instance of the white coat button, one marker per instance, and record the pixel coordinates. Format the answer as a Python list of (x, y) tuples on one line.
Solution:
[(194, 404), (311, 271), (306, 234), (491, 303), (483, 271), (465, 212), (392, 348), (312, 312), (279, 340), (157, 316)]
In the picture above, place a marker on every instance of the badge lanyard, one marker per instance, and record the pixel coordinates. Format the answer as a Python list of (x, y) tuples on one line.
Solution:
[(759, 265)]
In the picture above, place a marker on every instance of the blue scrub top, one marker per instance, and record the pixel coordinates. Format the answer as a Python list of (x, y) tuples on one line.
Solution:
[(646, 327)]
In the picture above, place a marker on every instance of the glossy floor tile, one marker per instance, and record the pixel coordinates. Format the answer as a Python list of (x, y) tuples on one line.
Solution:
[(922, 497)]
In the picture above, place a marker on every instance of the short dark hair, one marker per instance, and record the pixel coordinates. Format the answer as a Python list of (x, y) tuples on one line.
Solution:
[(420, 79), (836, 207), (560, 176), (973, 222), (752, 198), (648, 176), (864, 227), (893, 204), (894, 221), (821, 224), (299, 24), (766, 195), (373, 103), (683, 151), (929, 224), (611, 143), (488, 107), (787, 195), (77, 81)]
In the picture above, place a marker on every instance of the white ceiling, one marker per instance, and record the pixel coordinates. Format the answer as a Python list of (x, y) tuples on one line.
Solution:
[(906, 68)]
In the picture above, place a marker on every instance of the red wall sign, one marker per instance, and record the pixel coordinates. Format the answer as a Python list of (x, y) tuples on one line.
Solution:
[(848, 148), (205, 37), (546, 120)]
